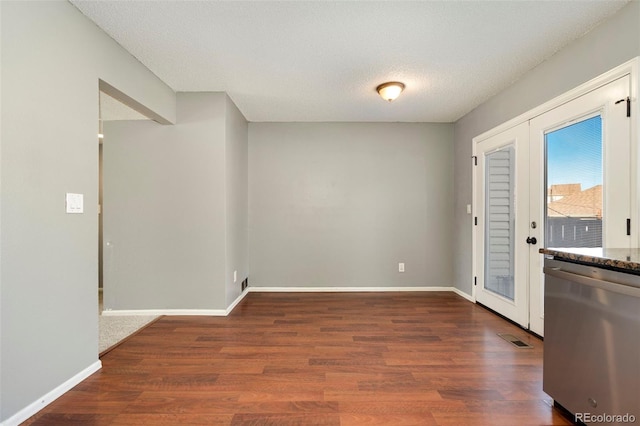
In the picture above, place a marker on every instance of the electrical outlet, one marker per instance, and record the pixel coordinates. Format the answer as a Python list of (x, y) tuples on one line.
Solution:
[(235, 276), (401, 267)]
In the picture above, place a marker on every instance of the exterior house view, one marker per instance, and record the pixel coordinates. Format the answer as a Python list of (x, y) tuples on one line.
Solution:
[(575, 216)]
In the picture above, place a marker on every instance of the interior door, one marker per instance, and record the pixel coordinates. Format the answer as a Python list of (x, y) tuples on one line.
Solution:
[(580, 179), (502, 200)]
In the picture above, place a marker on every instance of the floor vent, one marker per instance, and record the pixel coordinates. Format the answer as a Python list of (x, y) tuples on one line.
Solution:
[(515, 341)]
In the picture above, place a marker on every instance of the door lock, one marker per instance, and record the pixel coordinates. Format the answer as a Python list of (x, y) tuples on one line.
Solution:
[(532, 241)]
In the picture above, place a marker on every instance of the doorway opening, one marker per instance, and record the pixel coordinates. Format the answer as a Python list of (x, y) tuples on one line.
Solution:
[(112, 329)]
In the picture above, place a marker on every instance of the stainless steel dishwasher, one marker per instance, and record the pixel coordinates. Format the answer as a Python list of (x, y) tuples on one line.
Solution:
[(592, 341)]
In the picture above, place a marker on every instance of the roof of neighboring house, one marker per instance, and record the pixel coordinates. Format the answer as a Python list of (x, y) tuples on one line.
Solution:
[(564, 189), (587, 203)]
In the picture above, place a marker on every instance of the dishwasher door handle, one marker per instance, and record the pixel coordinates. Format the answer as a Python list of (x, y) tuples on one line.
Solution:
[(594, 282)]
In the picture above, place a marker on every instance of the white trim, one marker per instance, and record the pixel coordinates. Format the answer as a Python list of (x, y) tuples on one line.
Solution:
[(343, 289), (635, 153), (51, 396), (463, 294), (358, 289), (628, 68), (225, 312), (174, 312), (235, 302), (168, 312)]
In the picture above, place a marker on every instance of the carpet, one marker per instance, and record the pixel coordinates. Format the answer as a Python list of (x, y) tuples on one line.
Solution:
[(113, 329)]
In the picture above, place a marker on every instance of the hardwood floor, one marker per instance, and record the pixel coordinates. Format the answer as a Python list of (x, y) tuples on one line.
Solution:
[(318, 359)]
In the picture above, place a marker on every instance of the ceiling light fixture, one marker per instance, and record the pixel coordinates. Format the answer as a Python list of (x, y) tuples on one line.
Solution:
[(390, 90)]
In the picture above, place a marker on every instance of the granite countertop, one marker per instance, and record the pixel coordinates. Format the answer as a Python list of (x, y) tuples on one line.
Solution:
[(619, 259)]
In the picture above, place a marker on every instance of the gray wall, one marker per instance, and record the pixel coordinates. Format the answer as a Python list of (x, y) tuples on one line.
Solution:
[(175, 207), (236, 199), (340, 204), (614, 42), (163, 186), (52, 59)]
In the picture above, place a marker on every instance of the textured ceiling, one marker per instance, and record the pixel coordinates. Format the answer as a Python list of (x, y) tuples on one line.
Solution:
[(321, 60)]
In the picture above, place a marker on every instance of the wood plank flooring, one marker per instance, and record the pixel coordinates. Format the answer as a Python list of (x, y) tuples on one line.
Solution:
[(318, 359)]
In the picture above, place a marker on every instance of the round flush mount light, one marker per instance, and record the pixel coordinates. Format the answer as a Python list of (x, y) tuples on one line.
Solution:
[(390, 90)]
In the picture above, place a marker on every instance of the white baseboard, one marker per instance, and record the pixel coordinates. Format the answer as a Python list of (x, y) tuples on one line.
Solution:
[(343, 289), (174, 312), (238, 300), (225, 312), (168, 312), (357, 289), (51, 396), (463, 294)]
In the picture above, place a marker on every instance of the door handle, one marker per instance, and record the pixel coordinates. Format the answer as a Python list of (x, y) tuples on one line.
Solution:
[(532, 240)]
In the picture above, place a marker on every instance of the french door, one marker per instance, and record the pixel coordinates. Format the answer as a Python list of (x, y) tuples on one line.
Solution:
[(560, 180)]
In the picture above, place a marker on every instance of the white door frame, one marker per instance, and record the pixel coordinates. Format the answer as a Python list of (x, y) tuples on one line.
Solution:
[(628, 68), (604, 102), (515, 309)]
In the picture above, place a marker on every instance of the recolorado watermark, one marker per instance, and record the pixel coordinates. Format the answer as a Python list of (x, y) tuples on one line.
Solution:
[(605, 418)]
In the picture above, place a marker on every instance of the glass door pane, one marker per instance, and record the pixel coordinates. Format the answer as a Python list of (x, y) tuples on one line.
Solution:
[(573, 214), (500, 222)]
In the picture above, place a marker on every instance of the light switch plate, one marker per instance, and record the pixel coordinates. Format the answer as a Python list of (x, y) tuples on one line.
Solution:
[(75, 203)]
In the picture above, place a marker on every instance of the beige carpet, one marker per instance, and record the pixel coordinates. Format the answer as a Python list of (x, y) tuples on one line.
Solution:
[(113, 329)]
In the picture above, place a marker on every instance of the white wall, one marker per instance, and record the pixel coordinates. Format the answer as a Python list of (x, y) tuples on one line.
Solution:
[(52, 60), (612, 43), (340, 204)]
